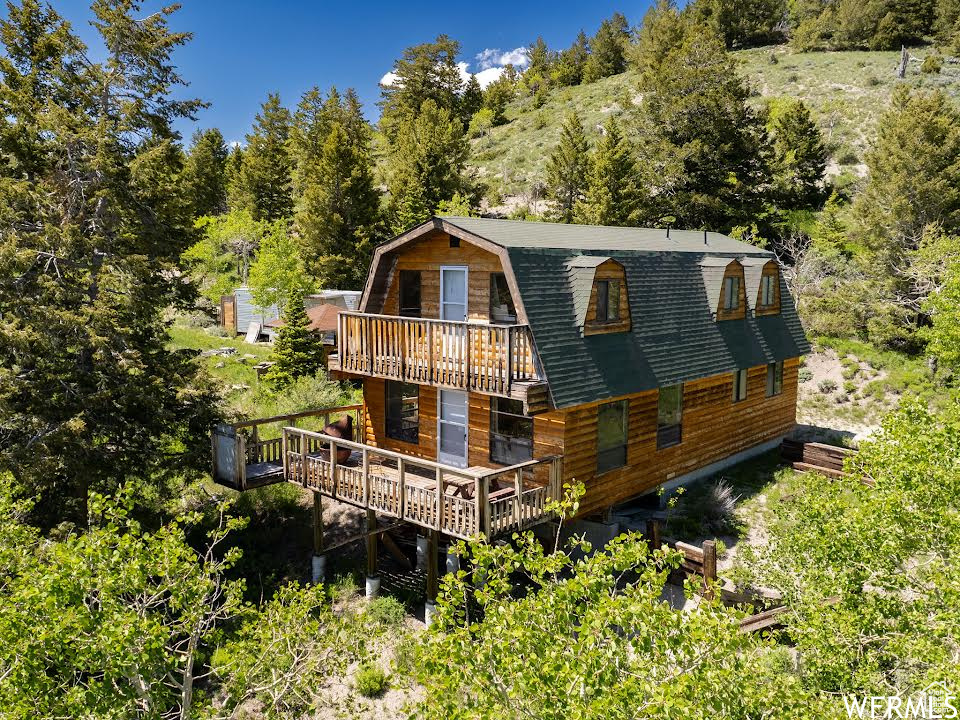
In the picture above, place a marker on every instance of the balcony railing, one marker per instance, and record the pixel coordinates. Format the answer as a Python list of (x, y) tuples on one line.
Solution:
[(461, 355)]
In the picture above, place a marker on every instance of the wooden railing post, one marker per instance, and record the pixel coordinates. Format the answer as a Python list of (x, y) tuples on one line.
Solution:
[(366, 477), (438, 524), (518, 481), (509, 359), (709, 567), (483, 503), (286, 460), (304, 453), (653, 533), (333, 466), (366, 325), (401, 485)]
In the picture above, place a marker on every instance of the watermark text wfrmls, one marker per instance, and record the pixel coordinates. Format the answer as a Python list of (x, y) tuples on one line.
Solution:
[(936, 702)]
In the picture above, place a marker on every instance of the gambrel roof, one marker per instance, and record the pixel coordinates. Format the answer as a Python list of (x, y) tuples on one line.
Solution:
[(670, 280)]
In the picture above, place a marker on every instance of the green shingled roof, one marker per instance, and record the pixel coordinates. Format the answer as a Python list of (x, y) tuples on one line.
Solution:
[(673, 287)]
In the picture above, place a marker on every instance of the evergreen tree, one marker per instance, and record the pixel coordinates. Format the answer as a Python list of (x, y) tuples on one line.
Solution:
[(427, 71), (568, 68), (265, 175), (914, 174), (205, 173), (706, 154), (567, 169), (93, 220), (233, 179), (799, 154), (741, 24), (661, 31), (472, 99), (498, 94), (608, 49), (946, 25), (338, 215), (297, 352), (612, 195), (427, 164), (539, 66)]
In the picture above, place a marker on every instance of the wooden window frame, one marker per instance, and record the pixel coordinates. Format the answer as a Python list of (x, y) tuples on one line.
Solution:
[(393, 427), (739, 385), (607, 289), (614, 456), (511, 440), (731, 293), (669, 434), (774, 378), (402, 279), (768, 291)]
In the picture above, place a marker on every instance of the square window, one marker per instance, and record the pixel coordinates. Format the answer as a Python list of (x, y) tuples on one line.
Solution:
[(669, 416), (611, 435), (511, 432), (739, 385), (403, 411), (775, 378)]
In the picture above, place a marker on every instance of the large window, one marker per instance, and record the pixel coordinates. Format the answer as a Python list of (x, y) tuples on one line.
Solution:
[(768, 292), (403, 411), (410, 293), (608, 300), (731, 293), (775, 378), (501, 301), (611, 435), (739, 385), (669, 416), (511, 432)]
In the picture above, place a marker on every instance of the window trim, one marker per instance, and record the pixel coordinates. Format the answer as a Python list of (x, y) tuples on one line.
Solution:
[(739, 385), (494, 412), (607, 288), (620, 447), (768, 288), (665, 433), (389, 427), (731, 296), (775, 378)]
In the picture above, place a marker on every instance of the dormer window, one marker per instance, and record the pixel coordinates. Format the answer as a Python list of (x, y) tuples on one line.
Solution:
[(767, 294), (725, 276), (599, 286), (731, 293), (502, 310), (608, 300)]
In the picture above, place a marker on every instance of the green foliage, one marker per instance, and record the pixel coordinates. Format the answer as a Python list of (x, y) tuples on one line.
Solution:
[(370, 680), (931, 65), (205, 173), (495, 98), (661, 31), (608, 49), (472, 99), (93, 219), (943, 334), (799, 154), (385, 611), (264, 183), (297, 351), (741, 24), (569, 65), (220, 260), (278, 274), (567, 170), (887, 553), (612, 195)]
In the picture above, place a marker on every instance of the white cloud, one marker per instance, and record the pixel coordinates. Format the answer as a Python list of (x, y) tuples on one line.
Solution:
[(389, 78), (488, 75), (494, 57)]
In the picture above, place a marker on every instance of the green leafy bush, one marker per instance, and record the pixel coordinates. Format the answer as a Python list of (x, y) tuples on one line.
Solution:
[(370, 680), (804, 375), (932, 65), (385, 611), (827, 386)]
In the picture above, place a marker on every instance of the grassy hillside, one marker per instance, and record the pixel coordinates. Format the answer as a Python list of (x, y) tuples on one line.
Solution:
[(846, 90)]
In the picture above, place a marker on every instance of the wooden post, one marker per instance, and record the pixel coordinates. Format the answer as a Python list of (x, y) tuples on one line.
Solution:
[(469, 381), (430, 352), (317, 524), (333, 466), (518, 482), (371, 543), (653, 533), (303, 459), (483, 504), (401, 481), (509, 359), (286, 460), (366, 477), (439, 520), (367, 323), (433, 554), (709, 566)]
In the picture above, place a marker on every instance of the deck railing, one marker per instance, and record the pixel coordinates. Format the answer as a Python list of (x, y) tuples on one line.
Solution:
[(463, 355), (456, 501)]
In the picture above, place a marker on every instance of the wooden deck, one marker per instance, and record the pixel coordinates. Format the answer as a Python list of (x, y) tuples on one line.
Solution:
[(491, 359), (458, 502)]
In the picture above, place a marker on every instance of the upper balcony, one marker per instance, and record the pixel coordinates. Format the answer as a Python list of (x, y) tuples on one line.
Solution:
[(485, 358)]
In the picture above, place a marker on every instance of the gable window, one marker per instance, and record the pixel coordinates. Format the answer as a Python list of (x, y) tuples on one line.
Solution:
[(511, 432), (611, 435), (731, 293), (669, 416), (768, 294), (608, 300), (775, 378), (403, 411), (502, 309), (410, 293), (739, 385)]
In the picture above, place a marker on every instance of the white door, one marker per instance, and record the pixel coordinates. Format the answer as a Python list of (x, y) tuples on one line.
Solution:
[(453, 293), (452, 428)]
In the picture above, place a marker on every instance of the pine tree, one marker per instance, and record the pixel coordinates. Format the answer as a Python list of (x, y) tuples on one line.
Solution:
[(233, 180), (540, 64), (740, 23), (265, 176), (338, 216), (497, 95), (93, 222), (661, 32), (297, 351), (472, 99), (799, 155), (205, 173), (427, 164), (567, 169), (608, 49), (705, 153), (612, 195), (568, 68)]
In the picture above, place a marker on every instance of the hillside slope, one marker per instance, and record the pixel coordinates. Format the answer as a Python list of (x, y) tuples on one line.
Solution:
[(847, 91)]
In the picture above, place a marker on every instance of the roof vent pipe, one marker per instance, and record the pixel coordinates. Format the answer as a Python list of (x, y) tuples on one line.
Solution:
[(705, 242), (668, 232)]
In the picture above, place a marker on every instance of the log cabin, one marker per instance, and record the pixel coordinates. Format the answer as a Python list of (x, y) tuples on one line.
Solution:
[(502, 359)]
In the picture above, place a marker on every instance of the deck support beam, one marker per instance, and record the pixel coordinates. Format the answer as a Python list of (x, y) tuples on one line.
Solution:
[(373, 578), (319, 561), (433, 558)]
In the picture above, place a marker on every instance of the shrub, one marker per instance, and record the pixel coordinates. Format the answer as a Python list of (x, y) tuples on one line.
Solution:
[(872, 81), (370, 681), (849, 387), (805, 375), (708, 509), (827, 386), (386, 612), (932, 65), (539, 121)]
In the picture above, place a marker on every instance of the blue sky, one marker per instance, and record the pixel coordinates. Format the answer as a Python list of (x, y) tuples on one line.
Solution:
[(243, 49)]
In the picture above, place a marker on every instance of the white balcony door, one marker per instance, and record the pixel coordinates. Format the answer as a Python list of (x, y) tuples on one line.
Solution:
[(453, 293), (452, 428)]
